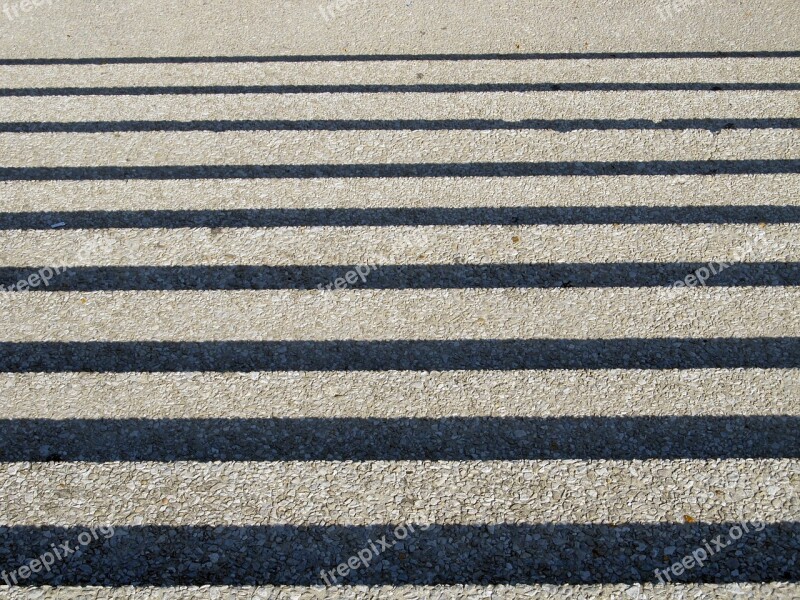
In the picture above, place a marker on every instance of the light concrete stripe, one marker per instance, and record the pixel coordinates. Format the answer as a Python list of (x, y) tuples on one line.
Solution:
[(195, 28), (215, 194), (592, 313), (412, 105), (347, 493), (406, 72), (380, 147), (398, 394), (670, 591), (401, 245)]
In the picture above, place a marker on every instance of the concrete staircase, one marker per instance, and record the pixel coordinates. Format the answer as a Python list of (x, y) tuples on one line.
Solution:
[(401, 327)]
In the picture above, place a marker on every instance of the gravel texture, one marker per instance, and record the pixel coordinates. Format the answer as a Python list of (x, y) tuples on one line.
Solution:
[(438, 554), (513, 106), (572, 193), (403, 314), (398, 394), (153, 28), (779, 591), (389, 147), (453, 493), (405, 72), (400, 245), (513, 381)]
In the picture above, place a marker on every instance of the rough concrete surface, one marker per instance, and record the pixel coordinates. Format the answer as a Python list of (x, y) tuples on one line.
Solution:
[(400, 299)]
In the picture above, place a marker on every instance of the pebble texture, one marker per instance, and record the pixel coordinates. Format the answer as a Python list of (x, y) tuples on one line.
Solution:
[(390, 147), (444, 492), (513, 380), (779, 591), (152, 28), (432, 394), (403, 72), (513, 106), (61, 200), (396, 245), (403, 314)]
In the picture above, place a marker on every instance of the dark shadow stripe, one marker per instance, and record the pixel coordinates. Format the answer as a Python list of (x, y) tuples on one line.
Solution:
[(412, 355), (442, 554), (397, 277), (321, 171), (714, 125), (302, 58), (362, 439), (384, 217), (427, 88)]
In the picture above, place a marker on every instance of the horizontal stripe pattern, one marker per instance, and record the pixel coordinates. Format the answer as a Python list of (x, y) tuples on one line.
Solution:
[(512, 369)]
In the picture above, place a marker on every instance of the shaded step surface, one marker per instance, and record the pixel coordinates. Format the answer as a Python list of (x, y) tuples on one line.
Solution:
[(510, 382)]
